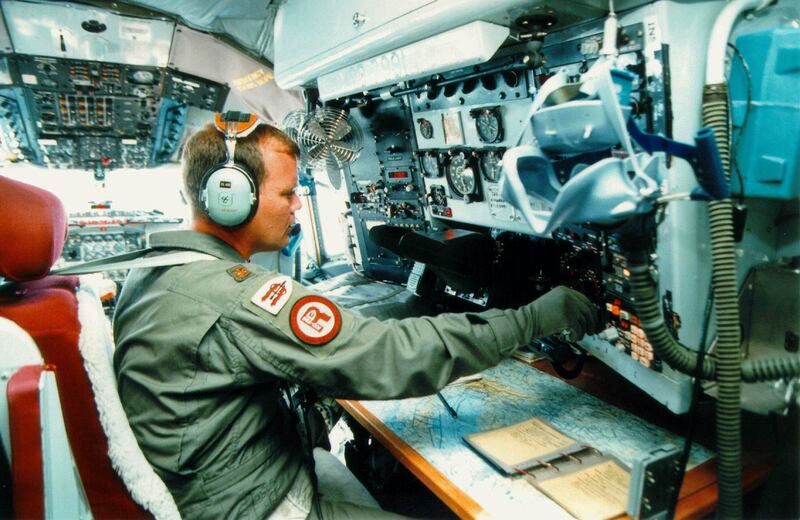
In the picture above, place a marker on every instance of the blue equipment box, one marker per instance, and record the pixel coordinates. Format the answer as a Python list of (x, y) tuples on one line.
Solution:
[(769, 147)]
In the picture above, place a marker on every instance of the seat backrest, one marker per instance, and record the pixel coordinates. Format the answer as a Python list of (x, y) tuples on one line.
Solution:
[(64, 318)]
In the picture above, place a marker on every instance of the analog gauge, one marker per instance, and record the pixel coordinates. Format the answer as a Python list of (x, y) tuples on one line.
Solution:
[(437, 196), (425, 128), (462, 175), (143, 77), (430, 165), (488, 124), (491, 165)]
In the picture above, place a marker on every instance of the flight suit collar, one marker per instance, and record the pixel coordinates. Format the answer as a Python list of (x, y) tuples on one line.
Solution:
[(195, 241)]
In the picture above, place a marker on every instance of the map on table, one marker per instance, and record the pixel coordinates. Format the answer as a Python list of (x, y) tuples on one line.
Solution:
[(507, 394)]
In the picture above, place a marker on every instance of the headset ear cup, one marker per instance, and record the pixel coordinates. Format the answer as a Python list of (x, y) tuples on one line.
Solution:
[(229, 195)]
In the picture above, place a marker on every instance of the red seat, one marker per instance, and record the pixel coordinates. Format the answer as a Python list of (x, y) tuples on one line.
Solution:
[(32, 231)]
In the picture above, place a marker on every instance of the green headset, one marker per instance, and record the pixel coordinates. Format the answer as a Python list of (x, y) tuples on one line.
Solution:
[(228, 190)]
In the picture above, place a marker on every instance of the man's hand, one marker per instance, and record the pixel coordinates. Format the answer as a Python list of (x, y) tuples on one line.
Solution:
[(564, 312)]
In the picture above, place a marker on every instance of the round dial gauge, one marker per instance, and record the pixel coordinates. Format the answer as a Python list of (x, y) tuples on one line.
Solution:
[(489, 125), (491, 165), (430, 165), (143, 77), (461, 175), (425, 128)]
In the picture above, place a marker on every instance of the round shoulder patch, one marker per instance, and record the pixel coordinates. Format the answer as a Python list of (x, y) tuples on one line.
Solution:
[(315, 320)]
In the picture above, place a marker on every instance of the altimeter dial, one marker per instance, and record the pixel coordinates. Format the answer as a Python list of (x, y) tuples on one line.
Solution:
[(489, 124), (461, 174)]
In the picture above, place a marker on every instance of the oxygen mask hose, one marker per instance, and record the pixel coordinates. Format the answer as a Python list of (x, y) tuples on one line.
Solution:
[(728, 353)]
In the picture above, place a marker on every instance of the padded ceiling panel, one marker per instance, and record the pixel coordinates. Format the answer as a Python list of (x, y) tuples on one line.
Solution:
[(248, 22), (202, 55)]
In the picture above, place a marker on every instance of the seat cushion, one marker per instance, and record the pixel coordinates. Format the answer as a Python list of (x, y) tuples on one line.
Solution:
[(48, 310)]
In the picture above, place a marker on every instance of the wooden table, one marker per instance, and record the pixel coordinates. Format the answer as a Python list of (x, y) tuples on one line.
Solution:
[(698, 494)]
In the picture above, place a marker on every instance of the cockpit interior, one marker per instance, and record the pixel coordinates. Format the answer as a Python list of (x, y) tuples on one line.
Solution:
[(454, 156)]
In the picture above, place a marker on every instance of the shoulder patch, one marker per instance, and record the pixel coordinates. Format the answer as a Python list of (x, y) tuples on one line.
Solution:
[(315, 320), (239, 273), (274, 294)]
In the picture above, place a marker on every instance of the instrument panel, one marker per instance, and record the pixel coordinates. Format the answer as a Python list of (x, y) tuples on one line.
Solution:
[(385, 187), (97, 234), (88, 77), (100, 116), (463, 184), (465, 120)]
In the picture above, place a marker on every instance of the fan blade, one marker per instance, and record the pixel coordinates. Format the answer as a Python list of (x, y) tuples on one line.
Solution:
[(341, 127), (344, 150), (293, 122), (316, 131), (334, 160), (318, 153), (342, 145), (334, 175), (307, 139)]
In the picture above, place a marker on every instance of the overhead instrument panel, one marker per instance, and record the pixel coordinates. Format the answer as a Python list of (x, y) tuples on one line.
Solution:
[(76, 76), (101, 116), (194, 91), (102, 98)]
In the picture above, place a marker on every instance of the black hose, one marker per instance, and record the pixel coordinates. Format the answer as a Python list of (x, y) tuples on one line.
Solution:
[(648, 308)]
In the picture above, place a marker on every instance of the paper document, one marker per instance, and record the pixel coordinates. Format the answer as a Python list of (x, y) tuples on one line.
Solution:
[(595, 493), (521, 443)]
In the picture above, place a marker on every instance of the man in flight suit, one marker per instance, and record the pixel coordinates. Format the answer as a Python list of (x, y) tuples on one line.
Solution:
[(203, 348)]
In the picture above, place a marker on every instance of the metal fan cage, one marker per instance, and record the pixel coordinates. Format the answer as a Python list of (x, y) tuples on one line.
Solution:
[(293, 122), (329, 138)]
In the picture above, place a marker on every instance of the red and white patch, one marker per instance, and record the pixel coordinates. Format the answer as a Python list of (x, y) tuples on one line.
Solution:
[(274, 294), (315, 320)]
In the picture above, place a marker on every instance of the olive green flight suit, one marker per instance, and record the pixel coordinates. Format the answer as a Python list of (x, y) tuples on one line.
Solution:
[(198, 365)]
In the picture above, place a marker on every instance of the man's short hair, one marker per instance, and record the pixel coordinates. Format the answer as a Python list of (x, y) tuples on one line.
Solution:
[(206, 148)]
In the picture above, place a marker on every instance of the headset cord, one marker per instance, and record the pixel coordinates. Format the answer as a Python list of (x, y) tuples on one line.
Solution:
[(692, 413), (299, 408)]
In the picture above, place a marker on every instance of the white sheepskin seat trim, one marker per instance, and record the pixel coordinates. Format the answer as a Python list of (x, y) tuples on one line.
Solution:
[(96, 346)]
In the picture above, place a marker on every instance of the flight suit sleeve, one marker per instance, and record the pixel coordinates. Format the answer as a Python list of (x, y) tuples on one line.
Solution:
[(283, 329)]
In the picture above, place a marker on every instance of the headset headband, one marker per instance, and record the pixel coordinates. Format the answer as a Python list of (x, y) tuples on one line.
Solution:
[(235, 125)]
